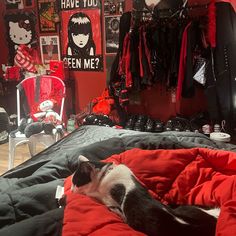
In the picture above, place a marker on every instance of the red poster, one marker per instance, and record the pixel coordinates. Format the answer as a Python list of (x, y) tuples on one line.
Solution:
[(82, 36)]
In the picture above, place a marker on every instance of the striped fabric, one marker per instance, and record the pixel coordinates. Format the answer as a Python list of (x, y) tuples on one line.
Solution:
[(24, 60)]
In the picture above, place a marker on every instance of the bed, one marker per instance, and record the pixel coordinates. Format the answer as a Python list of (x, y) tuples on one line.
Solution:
[(176, 167)]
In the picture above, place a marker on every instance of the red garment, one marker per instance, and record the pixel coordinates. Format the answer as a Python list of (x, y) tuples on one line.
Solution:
[(140, 49), (144, 53), (212, 24), (182, 62), (184, 176), (103, 104)]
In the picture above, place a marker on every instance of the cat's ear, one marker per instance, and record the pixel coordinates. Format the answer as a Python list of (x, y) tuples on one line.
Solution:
[(82, 158)]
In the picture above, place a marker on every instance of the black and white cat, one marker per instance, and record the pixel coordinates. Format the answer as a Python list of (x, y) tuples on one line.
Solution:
[(117, 187)]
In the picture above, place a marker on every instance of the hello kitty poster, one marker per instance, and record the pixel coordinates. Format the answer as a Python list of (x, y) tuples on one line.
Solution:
[(20, 29)]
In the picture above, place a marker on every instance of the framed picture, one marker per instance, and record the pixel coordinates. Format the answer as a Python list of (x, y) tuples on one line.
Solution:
[(112, 24), (50, 48), (29, 3), (114, 7), (47, 11)]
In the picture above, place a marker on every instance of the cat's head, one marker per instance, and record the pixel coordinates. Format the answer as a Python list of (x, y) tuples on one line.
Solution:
[(106, 182)]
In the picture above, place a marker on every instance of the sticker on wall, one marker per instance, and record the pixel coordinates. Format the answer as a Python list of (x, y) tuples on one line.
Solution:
[(82, 35), (20, 29), (47, 11), (112, 33), (49, 48)]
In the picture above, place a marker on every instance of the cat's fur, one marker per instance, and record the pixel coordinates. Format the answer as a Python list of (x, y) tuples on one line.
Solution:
[(117, 188)]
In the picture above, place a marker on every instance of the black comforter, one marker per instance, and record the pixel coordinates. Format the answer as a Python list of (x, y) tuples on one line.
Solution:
[(27, 193)]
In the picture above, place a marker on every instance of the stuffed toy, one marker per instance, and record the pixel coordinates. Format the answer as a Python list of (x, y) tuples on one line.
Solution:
[(44, 112), (44, 118)]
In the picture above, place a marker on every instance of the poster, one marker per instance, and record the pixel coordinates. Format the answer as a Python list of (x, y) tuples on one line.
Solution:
[(47, 11), (50, 48), (20, 29), (82, 34), (112, 33)]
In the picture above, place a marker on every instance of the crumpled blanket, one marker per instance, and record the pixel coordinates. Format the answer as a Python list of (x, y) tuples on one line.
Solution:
[(184, 176)]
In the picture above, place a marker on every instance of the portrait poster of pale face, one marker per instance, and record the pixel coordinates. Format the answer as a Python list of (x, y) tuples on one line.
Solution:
[(82, 35)]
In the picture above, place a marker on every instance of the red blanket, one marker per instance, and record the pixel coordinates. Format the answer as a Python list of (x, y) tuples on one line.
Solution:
[(184, 176)]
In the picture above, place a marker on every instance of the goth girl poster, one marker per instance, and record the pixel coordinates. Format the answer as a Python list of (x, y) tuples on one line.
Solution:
[(82, 37)]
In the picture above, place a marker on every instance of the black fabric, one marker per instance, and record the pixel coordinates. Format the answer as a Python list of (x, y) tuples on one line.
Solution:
[(221, 84), (193, 42), (4, 126), (27, 193), (37, 89), (124, 27)]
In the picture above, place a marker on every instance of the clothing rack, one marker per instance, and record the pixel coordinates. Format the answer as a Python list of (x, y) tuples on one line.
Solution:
[(166, 12)]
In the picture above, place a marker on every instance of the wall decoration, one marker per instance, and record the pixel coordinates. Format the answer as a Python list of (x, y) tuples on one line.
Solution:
[(29, 3), (49, 48), (47, 11), (82, 35), (20, 29), (114, 7), (112, 33)]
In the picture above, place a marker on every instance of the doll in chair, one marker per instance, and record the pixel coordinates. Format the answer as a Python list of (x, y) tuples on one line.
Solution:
[(44, 118)]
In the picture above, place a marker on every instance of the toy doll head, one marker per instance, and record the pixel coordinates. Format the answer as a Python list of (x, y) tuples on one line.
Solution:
[(80, 36), (46, 105)]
